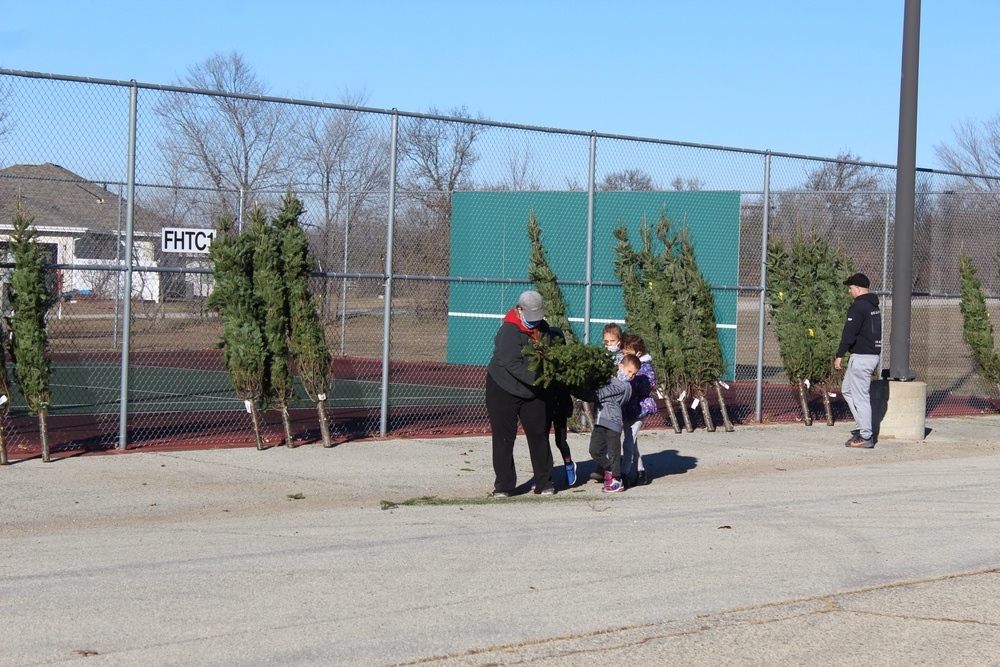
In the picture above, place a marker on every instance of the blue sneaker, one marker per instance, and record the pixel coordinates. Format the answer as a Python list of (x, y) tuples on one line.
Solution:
[(570, 473)]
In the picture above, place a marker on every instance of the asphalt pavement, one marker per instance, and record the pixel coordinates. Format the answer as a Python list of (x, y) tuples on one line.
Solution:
[(771, 545)]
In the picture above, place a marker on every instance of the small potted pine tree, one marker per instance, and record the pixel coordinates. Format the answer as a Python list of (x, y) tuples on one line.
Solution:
[(269, 288), (308, 337), (977, 330), (30, 300), (243, 345), (4, 391), (807, 303)]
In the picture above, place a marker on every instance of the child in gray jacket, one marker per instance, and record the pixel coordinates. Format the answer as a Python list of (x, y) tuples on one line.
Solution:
[(606, 438)]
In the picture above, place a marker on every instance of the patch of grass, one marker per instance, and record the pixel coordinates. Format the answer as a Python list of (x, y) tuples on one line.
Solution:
[(296, 496), (484, 500)]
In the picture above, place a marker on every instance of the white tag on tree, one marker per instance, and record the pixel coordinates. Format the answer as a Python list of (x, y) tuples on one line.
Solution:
[(249, 406), (683, 395), (833, 395), (695, 403), (723, 384), (322, 397), (806, 382), (3, 399)]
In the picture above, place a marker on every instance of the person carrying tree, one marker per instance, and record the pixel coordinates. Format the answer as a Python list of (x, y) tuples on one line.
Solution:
[(862, 337), (511, 395)]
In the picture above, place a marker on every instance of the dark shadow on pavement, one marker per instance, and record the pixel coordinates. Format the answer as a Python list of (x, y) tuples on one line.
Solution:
[(667, 462)]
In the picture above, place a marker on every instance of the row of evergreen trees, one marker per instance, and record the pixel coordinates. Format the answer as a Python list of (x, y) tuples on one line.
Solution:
[(269, 316), (670, 305), (667, 302)]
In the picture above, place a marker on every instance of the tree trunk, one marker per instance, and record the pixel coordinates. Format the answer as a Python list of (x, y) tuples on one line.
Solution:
[(256, 427), (827, 407), (709, 424), (722, 406), (287, 422), (669, 403), (3, 445), (43, 430), (686, 416), (324, 424), (589, 415), (804, 403)]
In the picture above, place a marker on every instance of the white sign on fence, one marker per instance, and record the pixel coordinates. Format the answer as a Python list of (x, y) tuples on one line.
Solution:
[(184, 239)]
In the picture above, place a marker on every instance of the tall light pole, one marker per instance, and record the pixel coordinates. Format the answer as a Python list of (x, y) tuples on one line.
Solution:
[(906, 176)]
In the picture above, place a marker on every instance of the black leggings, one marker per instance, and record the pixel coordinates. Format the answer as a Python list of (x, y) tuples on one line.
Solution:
[(505, 410)]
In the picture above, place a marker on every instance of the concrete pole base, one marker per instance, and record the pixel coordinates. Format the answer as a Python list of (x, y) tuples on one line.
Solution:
[(899, 409)]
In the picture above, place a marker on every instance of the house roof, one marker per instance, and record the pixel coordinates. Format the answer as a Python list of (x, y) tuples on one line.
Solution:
[(56, 197)]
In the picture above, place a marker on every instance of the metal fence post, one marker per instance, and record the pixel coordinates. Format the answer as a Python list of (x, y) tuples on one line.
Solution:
[(885, 275), (590, 238), (387, 295), (758, 410), (127, 304), (343, 281)]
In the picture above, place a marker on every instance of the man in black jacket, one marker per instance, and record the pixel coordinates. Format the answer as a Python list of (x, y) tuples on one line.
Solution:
[(862, 337)]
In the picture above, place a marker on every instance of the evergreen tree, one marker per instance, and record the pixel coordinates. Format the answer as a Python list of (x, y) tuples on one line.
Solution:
[(308, 337), (646, 314), (670, 305), (30, 301), (977, 330), (582, 369), (4, 390), (243, 343), (703, 362), (544, 279), (269, 287), (540, 273), (807, 302)]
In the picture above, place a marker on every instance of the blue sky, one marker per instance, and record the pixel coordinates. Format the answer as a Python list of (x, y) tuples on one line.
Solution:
[(796, 76)]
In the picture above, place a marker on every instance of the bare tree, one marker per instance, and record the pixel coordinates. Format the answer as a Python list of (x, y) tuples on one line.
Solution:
[(839, 199), (440, 152), (976, 150), (687, 184), (6, 123), (232, 144), (438, 155), (629, 180), (342, 156)]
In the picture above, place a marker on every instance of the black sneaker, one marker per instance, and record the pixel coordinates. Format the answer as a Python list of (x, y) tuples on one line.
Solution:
[(501, 494), (640, 479)]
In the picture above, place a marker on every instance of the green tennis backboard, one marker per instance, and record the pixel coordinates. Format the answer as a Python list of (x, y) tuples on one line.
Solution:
[(489, 240)]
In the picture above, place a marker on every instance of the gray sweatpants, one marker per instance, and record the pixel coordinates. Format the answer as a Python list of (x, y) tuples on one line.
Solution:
[(857, 390)]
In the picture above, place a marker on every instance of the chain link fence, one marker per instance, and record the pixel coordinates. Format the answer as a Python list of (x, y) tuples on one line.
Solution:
[(418, 227)]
